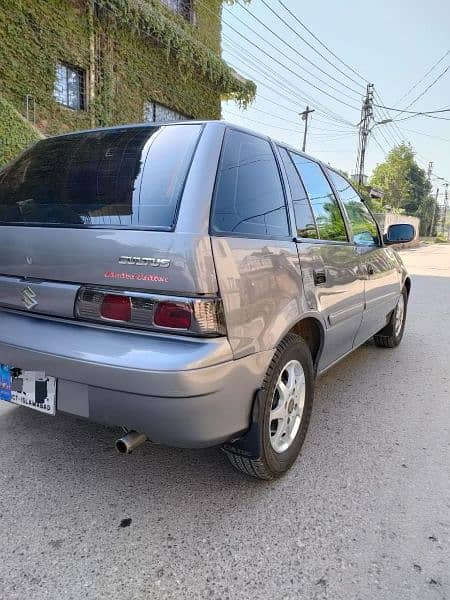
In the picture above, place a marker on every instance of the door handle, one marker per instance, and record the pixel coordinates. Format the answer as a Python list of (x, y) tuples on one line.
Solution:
[(370, 269), (319, 277)]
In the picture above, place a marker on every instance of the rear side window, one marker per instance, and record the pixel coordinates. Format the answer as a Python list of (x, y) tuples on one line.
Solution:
[(326, 210), (111, 178), (249, 197), (364, 228), (306, 226)]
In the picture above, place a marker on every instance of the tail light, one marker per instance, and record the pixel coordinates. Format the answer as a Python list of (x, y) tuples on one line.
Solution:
[(172, 314), (194, 316), (116, 308)]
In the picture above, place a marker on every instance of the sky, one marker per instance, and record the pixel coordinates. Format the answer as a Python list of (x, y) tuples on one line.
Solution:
[(391, 44)]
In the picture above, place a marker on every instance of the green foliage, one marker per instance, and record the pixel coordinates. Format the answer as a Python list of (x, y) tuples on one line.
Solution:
[(16, 133), (330, 223), (138, 50), (402, 181), (150, 18), (405, 186)]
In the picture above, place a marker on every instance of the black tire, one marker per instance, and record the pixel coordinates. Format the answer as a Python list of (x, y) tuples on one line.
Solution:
[(268, 464), (388, 337)]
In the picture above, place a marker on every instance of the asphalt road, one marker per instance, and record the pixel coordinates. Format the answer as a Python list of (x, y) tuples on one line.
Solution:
[(363, 515)]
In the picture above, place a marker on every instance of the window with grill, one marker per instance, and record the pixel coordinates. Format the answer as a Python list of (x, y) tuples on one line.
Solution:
[(70, 86), (157, 113), (181, 7)]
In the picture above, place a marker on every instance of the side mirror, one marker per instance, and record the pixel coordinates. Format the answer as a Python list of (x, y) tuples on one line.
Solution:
[(399, 233)]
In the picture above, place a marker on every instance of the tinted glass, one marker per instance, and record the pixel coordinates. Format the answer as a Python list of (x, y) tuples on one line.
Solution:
[(94, 178), (365, 232), (249, 197), (304, 219), (323, 202)]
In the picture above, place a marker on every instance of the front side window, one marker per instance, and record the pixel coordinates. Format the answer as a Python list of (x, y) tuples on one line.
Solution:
[(327, 213), (249, 197), (70, 86), (306, 226), (110, 178), (365, 231)]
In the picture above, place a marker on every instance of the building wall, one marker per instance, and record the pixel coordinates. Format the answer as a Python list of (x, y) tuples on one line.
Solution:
[(123, 69)]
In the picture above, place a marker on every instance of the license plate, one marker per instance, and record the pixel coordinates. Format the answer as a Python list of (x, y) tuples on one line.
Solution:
[(33, 389)]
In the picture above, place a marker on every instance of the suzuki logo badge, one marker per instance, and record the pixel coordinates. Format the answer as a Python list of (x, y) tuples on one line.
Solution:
[(29, 298)]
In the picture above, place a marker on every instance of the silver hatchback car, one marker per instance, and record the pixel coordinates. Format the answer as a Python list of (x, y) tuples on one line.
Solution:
[(188, 282)]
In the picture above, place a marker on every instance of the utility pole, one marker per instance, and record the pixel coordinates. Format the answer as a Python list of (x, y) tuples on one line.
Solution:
[(364, 130), (433, 216), (430, 170), (305, 116), (444, 216)]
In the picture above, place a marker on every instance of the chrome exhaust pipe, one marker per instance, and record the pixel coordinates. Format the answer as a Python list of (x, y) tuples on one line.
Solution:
[(130, 441)]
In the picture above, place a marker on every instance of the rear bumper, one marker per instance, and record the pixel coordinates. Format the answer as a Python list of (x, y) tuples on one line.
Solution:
[(179, 391)]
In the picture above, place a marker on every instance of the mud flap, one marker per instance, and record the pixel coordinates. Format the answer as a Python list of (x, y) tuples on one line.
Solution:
[(249, 445)]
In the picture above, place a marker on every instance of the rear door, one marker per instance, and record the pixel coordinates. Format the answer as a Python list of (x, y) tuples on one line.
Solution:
[(256, 259), (331, 266), (100, 207), (381, 271)]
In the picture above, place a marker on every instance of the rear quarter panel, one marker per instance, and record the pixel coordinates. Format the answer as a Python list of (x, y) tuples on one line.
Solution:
[(261, 286)]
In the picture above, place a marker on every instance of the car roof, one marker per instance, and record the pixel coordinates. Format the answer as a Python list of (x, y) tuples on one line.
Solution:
[(211, 122)]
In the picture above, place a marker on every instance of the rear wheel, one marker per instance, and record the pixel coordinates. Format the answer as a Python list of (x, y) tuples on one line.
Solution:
[(282, 417), (391, 335)]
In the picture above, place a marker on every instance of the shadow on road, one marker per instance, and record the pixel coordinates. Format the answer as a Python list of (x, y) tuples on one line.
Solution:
[(65, 447)]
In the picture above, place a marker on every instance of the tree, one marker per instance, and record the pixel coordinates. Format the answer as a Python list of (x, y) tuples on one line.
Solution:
[(403, 182), (374, 204)]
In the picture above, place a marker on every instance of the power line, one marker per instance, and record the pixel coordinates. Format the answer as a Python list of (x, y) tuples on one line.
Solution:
[(273, 116), (294, 16), (276, 78), (414, 112), (263, 123), (357, 92), (419, 114), (281, 64), (437, 137), (428, 88), (424, 77), (379, 145)]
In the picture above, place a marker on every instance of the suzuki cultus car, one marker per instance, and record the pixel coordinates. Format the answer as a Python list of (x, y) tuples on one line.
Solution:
[(188, 282)]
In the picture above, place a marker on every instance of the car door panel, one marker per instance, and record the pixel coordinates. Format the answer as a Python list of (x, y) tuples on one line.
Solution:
[(340, 299), (382, 290), (332, 278), (378, 265)]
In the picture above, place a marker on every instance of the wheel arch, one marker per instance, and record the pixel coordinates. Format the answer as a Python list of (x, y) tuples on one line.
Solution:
[(312, 332), (407, 285)]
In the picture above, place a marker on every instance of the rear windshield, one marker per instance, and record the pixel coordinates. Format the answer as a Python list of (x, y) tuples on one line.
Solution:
[(112, 178)]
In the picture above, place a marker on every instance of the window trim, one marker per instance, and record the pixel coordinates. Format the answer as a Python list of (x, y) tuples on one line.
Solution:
[(82, 72), (211, 230), (294, 229), (350, 228), (320, 240)]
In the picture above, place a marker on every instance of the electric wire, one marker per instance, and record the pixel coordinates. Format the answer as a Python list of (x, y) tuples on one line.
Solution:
[(261, 22), (406, 94)]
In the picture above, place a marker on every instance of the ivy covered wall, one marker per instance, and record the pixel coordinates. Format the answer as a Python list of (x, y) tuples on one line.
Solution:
[(15, 132), (132, 51)]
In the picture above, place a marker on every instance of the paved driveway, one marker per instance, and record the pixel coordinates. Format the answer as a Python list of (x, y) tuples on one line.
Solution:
[(365, 514)]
